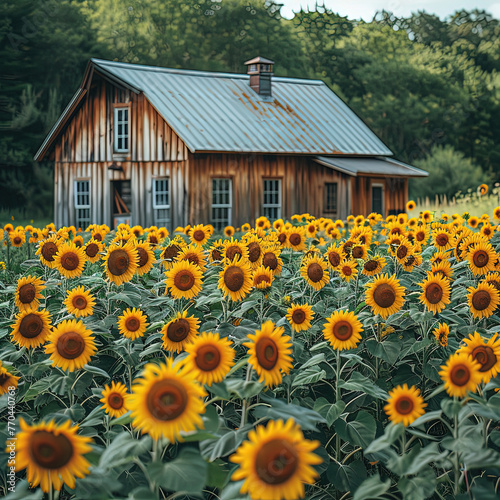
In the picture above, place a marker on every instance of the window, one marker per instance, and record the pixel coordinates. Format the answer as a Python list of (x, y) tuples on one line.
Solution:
[(378, 198), (330, 198), (82, 204), (222, 202), (161, 202), (272, 199), (121, 130), (253, 68)]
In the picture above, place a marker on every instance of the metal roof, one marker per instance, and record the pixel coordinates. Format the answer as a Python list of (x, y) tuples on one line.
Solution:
[(371, 166), (220, 112)]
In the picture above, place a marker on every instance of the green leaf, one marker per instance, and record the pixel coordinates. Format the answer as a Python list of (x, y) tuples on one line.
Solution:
[(315, 360), (419, 487), (425, 456), (346, 477), (388, 350), (223, 445), (123, 449), (244, 389), (218, 473), (391, 435), (96, 371), (427, 417), (360, 383), (187, 473), (232, 492), (451, 407), (125, 419), (329, 411), (308, 376), (361, 431), (372, 488), (38, 387), (22, 492)]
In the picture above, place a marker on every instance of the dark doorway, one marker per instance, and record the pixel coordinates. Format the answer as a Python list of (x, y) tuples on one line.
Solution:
[(121, 203)]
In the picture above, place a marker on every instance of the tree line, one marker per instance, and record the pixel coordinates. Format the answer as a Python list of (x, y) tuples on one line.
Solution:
[(428, 87)]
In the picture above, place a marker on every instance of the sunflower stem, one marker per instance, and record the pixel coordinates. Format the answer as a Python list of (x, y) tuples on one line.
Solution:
[(244, 407), (51, 488), (456, 464), (338, 396)]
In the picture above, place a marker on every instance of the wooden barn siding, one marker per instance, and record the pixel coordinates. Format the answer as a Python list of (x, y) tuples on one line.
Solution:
[(141, 176), (395, 194), (302, 185)]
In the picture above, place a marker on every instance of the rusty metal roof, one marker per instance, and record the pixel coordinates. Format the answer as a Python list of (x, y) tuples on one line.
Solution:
[(220, 112), (371, 166)]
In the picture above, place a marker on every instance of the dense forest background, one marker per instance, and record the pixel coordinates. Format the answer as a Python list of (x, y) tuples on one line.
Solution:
[(428, 87)]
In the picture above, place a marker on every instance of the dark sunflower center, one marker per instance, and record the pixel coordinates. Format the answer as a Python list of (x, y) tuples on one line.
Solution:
[(459, 375), (495, 283), (115, 400), (342, 330), (384, 295), (143, 256), (27, 293), (207, 358), (348, 248), (170, 252), (31, 326), (91, 249), (178, 330), (262, 278), (276, 461), (298, 316), (153, 239), (234, 278), (167, 400), (3, 378), (216, 254), (97, 236), (370, 265), (480, 258), (70, 261), (334, 259), (118, 262), (443, 338), (232, 251), (270, 260), (70, 345), (485, 356), (254, 251), (402, 252), (132, 324), (17, 240), (282, 238), (193, 258), (481, 300), (357, 252), (79, 302), (314, 272), (199, 235), (346, 270), (410, 260), (442, 239), (434, 293), (266, 352), (294, 239), (184, 280), (404, 405), (49, 249), (50, 451)]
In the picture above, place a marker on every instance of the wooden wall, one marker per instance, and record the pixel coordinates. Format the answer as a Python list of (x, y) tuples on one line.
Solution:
[(302, 183)]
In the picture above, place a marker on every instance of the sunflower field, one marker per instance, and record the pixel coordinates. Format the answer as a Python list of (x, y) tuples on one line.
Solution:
[(307, 358)]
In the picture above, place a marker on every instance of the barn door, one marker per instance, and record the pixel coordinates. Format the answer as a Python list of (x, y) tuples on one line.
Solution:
[(121, 202)]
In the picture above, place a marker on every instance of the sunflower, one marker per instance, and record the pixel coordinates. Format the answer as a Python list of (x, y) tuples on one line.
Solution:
[(404, 250), (51, 454), (443, 239), (473, 221), (170, 253), (166, 401), (179, 331), (47, 250), (120, 263), (410, 206), (262, 278), (8, 382), (114, 399), (441, 333), (31, 328), (270, 353), (233, 248), (154, 237), (313, 270), (210, 358), (200, 234), (138, 231), (132, 323), (404, 405), (70, 260), (70, 345), (246, 227), (276, 461), (348, 270), (483, 300), (493, 279), (254, 248), (482, 258), (460, 374), (228, 231), (92, 249), (487, 354), (442, 269), (496, 213), (79, 302), (373, 266), (17, 238), (98, 233), (193, 254), (146, 258), (385, 295), (271, 259), (184, 280), (422, 235), (297, 238), (263, 222), (300, 317), (235, 279), (435, 293), (28, 292), (343, 330), (487, 230), (483, 189)]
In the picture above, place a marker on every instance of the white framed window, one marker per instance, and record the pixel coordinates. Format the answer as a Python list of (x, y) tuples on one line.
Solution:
[(161, 202), (121, 130), (82, 203), (222, 202), (271, 207), (378, 198)]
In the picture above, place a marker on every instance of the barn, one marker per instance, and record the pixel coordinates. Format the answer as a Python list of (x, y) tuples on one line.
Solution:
[(170, 147)]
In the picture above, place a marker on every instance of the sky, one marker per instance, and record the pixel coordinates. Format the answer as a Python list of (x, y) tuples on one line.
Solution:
[(365, 9)]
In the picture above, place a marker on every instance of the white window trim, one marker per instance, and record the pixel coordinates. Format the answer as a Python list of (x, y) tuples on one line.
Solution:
[(116, 135), (82, 207), (162, 207), (382, 186), (280, 197), (229, 205)]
